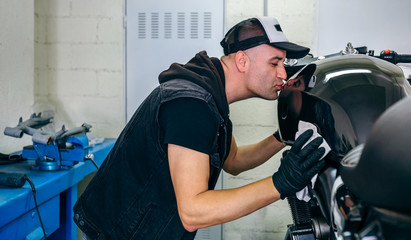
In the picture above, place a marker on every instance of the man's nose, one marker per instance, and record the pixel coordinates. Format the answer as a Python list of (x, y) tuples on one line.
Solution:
[(282, 74)]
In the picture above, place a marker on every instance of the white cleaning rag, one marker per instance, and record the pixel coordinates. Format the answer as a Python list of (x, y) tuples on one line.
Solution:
[(302, 127)]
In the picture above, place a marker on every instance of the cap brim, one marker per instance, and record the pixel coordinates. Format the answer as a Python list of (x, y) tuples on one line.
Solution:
[(294, 51)]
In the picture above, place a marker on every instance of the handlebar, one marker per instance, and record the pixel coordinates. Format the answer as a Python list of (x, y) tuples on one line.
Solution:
[(292, 66), (393, 57)]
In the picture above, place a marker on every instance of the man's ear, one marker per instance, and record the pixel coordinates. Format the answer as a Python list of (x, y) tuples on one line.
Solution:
[(241, 61)]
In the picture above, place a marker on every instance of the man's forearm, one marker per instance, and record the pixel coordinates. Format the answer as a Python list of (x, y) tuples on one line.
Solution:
[(199, 207), (220, 206), (250, 156)]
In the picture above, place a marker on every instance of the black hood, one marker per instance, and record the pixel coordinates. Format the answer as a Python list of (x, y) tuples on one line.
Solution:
[(204, 71)]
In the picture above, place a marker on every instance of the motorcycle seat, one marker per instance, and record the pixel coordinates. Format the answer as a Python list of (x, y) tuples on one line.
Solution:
[(381, 174)]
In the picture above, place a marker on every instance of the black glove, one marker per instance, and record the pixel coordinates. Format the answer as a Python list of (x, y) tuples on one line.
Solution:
[(299, 165)]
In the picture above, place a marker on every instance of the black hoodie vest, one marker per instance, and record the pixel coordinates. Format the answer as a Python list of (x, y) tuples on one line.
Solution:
[(132, 196)]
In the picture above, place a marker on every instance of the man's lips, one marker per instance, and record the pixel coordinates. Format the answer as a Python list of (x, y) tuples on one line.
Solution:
[(281, 86)]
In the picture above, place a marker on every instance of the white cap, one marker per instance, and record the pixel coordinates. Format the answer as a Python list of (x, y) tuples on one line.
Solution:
[(256, 31)]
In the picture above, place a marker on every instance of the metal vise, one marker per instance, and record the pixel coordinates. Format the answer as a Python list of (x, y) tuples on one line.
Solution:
[(51, 150)]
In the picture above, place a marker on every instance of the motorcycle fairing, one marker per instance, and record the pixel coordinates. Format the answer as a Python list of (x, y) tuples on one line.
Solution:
[(381, 175), (343, 96)]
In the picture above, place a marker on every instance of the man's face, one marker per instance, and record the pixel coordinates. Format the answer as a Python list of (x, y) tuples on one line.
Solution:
[(266, 72)]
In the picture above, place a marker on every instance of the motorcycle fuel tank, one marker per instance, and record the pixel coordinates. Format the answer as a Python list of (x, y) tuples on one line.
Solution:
[(343, 96)]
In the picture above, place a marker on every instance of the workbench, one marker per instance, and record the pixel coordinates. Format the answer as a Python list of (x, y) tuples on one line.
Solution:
[(56, 193)]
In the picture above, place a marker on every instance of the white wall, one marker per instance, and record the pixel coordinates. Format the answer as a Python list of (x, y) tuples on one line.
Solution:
[(16, 68), (79, 62), (379, 25), (255, 119)]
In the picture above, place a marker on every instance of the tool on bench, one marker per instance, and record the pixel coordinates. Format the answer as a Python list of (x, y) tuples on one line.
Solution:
[(17, 180), (52, 150), (14, 180)]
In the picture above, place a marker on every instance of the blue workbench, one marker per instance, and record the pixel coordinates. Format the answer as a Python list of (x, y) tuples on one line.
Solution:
[(56, 196)]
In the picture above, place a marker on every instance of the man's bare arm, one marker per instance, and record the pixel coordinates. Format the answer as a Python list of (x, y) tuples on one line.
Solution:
[(248, 157), (199, 207)]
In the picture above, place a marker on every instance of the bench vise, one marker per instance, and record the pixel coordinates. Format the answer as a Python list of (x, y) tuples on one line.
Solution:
[(52, 150)]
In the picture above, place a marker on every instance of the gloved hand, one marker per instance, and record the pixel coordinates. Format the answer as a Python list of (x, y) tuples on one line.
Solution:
[(299, 165)]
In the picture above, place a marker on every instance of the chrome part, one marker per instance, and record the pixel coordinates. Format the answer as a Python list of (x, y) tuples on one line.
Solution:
[(349, 49), (290, 62), (89, 156)]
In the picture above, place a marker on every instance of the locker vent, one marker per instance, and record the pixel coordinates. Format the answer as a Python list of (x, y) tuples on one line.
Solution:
[(154, 25), (167, 25), (180, 25), (194, 25), (207, 25)]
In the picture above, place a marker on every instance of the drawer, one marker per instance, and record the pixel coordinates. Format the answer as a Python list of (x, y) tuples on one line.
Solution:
[(28, 225)]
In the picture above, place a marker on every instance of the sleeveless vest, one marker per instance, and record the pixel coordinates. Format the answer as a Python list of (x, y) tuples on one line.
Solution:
[(132, 196)]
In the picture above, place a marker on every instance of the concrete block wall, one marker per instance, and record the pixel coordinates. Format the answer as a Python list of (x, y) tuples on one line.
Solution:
[(16, 68), (255, 119), (79, 63)]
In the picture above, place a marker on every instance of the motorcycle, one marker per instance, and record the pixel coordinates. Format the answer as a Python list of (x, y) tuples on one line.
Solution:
[(360, 105)]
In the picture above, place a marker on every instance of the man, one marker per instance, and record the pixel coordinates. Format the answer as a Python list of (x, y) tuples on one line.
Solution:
[(158, 180)]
